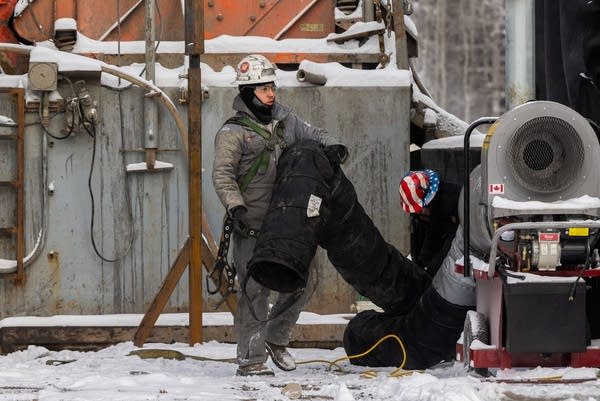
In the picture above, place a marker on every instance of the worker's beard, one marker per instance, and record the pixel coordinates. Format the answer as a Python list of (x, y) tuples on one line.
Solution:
[(262, 111)]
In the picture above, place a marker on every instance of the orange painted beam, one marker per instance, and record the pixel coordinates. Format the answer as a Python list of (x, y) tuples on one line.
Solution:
[(12, 63), (65, 9), (269, 18), (100, 20)]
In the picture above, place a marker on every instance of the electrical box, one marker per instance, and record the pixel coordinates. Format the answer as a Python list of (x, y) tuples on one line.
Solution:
[(43, 76), (541, 317)]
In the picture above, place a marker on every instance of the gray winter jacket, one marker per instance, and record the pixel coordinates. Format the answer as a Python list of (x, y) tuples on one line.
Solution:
[(236, 149)]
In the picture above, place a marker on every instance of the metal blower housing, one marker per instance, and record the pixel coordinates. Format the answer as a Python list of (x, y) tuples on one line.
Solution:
[(541, 151)]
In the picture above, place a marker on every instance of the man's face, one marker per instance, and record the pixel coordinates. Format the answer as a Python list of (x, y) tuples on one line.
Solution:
[(266, 93)]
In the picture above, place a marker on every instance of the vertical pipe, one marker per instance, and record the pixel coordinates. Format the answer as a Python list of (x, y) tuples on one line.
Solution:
[(369, 10), (150, 105), (20, 187), (194, 39), (150, 38), (467, 190), (520, 57)]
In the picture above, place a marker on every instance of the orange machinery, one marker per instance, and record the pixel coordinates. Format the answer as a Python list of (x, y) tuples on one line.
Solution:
[(123, 20), (278, 19)]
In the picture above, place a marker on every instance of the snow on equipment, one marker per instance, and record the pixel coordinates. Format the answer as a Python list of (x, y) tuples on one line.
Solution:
[(533, 213)]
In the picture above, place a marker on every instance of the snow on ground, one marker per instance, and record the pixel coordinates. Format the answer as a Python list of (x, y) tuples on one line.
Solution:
[(113, 374)]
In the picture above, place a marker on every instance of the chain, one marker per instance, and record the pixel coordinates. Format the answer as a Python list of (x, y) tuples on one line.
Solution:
[(388, 18), (406, 6), (384, 59)]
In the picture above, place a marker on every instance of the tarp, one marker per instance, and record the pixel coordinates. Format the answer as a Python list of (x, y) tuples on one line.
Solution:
[(567, 54)]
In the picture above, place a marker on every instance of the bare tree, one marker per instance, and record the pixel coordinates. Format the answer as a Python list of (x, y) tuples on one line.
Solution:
[(461, 54)]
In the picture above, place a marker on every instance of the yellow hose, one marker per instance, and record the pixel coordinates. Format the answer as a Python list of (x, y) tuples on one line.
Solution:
[(398, 372)]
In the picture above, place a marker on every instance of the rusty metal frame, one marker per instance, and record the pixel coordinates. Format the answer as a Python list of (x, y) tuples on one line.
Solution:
[(161, 299), (18, 183), (400, 35), (120, 19), (191, 253), (209, 255), (194, 39), (295, 19)]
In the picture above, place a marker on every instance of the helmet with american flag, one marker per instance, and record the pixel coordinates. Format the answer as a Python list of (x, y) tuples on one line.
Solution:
[(417, 189)]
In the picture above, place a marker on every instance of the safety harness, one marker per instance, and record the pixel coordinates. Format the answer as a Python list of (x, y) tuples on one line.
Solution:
[(262, 161), (222, 268)]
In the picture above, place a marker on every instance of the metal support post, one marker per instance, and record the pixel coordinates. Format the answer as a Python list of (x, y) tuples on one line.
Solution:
[(194, 39)]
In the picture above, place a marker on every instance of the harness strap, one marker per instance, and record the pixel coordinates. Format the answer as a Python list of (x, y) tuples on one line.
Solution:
[(221, 264), (222, 268), (249, 123), (262, 161)]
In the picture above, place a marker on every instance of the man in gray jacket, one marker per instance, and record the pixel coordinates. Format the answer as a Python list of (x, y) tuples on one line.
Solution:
[(246, 151)]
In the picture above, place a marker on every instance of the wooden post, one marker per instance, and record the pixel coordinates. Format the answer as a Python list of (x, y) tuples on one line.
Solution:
[(209, 255), (399, 30), (161, 299)]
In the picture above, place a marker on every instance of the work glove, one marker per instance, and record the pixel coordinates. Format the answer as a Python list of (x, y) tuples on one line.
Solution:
[(337, 154), (240, 221)]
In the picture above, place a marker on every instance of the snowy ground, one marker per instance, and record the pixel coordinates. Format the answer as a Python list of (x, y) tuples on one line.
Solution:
[(113, 374)]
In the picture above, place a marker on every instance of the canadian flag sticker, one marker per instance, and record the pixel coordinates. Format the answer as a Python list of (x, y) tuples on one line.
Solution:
[(496, 188)]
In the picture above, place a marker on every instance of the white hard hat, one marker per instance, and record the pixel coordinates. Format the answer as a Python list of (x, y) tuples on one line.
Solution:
[(255, 69)]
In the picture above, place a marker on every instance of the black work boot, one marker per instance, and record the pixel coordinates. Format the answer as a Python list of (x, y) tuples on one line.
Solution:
[(280, 356)]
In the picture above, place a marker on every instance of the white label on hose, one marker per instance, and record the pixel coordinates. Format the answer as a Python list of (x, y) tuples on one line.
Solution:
[(314, 204)]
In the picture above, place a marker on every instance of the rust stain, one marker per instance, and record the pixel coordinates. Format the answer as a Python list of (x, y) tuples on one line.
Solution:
[(53, 258)]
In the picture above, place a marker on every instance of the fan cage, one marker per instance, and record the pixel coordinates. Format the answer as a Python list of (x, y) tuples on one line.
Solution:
[(545, 155)]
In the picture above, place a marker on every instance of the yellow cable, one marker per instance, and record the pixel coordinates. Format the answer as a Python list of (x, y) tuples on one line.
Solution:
[(395, 337), (330, 363), (369, 373)]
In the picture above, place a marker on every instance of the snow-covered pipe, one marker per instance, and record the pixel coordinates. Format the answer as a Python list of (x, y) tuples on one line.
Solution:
[(309, 71), (368, 10), (120, 73), (162, 96), (307, 76), (9, 266), (520, 59)]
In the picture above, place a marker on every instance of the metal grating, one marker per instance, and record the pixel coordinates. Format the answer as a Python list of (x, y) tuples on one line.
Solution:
[(545, 155)]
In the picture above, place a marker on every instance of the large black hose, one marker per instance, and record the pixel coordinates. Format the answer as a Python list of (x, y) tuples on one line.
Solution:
[(355, 247), (288, 236), (427, 324), (429, 333), (358, 251)]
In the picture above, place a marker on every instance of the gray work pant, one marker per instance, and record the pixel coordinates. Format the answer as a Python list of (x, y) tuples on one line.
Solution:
[(251, 334)]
